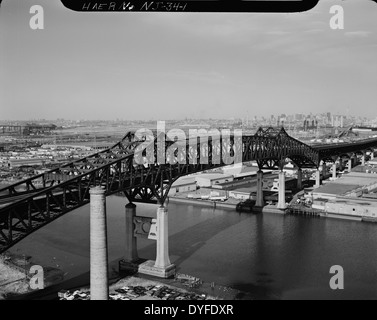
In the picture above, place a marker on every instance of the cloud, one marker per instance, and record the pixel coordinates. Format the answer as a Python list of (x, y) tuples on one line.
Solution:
[(361, 33), (277, 33), (314, 31), (209, 77)]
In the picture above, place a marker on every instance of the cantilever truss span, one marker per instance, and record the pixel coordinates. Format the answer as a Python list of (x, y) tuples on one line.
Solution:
[(143, 168)]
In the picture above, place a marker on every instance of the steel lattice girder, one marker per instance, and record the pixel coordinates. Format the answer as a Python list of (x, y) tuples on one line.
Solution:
[(337, 150), (66, 188), (278, 145)]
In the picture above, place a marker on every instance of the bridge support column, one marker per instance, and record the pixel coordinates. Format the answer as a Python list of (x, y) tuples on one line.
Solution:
[(349, 165), (260, 200), (281, 202), (162, 258), (130, 254), (334, 171), (341, 168), (317, 178), (162, 267), (372, 155), (130, 262), (99, 287), (363, 159), (324, 170), (299, 179)]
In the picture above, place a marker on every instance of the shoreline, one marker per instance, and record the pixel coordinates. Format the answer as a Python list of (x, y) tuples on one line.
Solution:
[(15, 276), (50, 292), (202, 203), (267, 208), (198, 291), (81, 283)]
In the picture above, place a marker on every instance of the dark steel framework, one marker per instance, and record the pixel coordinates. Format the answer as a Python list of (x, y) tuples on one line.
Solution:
[(330, 153), (31, 204)]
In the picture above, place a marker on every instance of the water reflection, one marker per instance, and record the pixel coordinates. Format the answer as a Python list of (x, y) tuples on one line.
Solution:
[(268, 256)]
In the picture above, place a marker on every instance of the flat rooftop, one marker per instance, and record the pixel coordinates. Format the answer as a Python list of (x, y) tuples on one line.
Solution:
[(336, 188), (184, 181), (243, 190), (357, 178), (214, 176), (347, 183), (359, 201)]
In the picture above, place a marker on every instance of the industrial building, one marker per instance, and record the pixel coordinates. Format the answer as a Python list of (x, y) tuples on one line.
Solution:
[(210, 179), (350, 207), (14, 163), (240, 171), (184, 184), (353, 195), (240, 193)]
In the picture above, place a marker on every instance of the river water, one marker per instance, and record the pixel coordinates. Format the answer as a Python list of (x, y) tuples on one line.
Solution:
[(269, 256)]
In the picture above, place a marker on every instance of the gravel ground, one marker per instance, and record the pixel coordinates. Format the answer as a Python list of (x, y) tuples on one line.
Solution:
[(11, 280)]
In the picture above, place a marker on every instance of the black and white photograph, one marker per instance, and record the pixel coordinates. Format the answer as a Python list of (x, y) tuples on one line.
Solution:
[(212, 152)]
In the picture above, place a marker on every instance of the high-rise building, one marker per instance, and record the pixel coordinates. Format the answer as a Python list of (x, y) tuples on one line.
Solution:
[(329, 117)]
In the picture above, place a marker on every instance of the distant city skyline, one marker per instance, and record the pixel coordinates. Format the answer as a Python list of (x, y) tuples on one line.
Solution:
[(296, 117), (157, 66)]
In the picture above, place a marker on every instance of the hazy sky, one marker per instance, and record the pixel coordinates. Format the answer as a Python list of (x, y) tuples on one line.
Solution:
[(169, 66)]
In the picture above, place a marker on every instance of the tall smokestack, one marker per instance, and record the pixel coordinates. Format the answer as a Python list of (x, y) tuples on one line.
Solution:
[(99, 286)]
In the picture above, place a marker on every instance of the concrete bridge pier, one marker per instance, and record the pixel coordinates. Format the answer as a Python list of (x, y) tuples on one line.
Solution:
[(349, 165), (99, 286), (299, 179), (162, 258), (260, 200), (341, 168), (324, 170), (363, 159), (334, 170), (162, 267), (372, 155), (130, 254), (130, 262), (281, 202), (317, 179)]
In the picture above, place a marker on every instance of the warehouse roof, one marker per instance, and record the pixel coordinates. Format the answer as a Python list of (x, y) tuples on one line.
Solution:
[(214, 176), (348, 182), (184, 181), (336, 188), (357, 178)]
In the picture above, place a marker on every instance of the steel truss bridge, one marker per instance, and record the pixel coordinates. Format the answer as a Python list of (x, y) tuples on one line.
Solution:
[(31, 204)]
